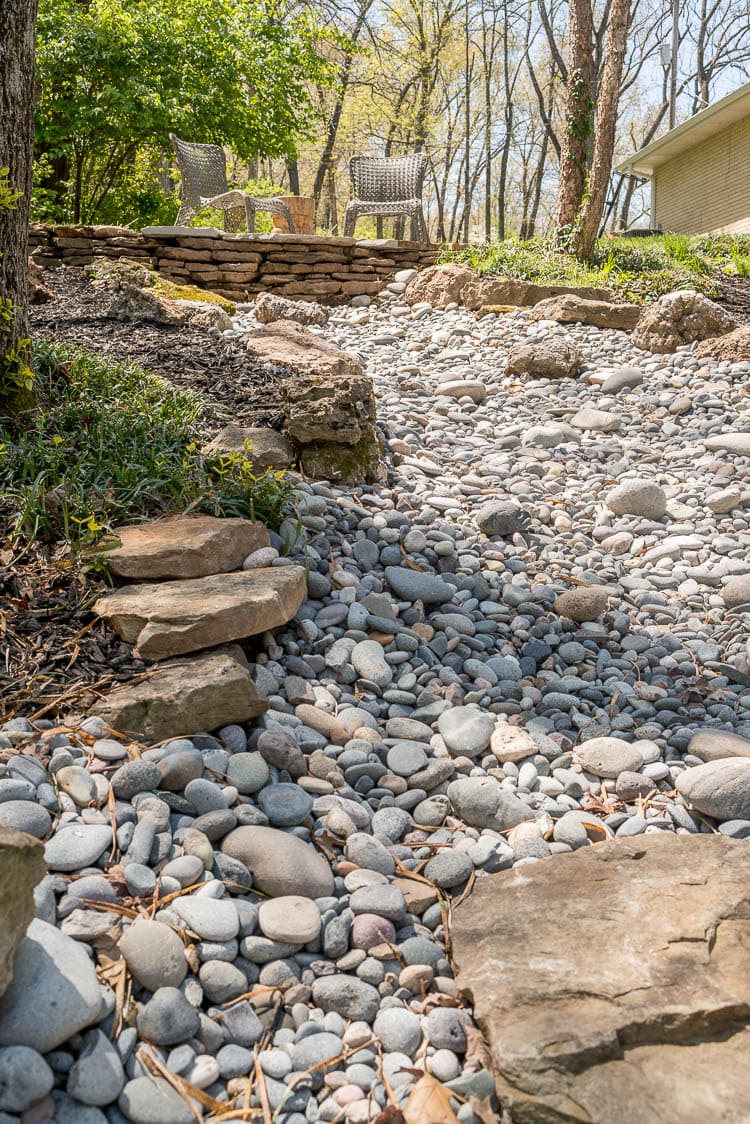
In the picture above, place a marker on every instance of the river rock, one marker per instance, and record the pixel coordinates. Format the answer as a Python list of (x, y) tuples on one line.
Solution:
[(412, 585), (290, 919), (638, 497), (281, 864), (51, 974), (347, 996), (154, 954), (718, 788), (608, 757), (76, 846), (466, 730), (481, 802), (567, 1053), (713, 745)]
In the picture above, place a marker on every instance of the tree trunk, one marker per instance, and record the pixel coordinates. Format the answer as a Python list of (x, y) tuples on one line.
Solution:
[(17, 27), (578, 130), (292, 168), (606, 124)]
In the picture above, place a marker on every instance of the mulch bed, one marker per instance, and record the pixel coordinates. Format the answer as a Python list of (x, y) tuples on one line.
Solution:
[(734, 294), (56, 656), (216, 368)]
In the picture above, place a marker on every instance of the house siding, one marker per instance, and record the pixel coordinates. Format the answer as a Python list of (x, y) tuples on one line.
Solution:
[(707, 189)]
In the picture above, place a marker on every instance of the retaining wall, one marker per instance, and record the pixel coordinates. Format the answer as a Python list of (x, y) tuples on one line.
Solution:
[(300, 266)]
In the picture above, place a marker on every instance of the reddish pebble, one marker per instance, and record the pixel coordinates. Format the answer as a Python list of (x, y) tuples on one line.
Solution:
[(369, 930)]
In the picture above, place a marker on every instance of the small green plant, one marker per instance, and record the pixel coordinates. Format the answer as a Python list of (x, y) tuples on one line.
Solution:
[(740, 263), (111, 443)]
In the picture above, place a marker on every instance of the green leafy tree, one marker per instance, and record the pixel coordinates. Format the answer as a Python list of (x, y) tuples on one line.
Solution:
[(117, 76)]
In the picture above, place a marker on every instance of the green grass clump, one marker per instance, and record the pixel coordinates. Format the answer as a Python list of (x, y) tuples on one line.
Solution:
[(110, 443), (635, 269)]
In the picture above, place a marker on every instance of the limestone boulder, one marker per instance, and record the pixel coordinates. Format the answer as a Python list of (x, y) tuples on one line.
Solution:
[(734, 347), (270, 307), (39, 290), (175, 617), (111, 273), (571, 308), (140, 305), (612, 984), (681, 318), (185, 546), (183, 697), (344, 464), (22, 862), (338, 408), (264, 448), (289, 344), (332, 420), (132, 303), (485, 293), (439, 285), (204, 314), (551, 358)]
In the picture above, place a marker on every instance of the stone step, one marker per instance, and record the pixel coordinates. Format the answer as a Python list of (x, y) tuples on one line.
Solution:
[(175, 617), (183, 697), (184, 546)]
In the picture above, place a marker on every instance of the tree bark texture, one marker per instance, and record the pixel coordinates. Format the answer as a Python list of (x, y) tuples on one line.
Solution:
[(17, 27), (578, 129), (606, 125)]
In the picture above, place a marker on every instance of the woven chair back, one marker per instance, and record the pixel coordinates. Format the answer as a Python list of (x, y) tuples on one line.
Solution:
[(203, 168), (387, 179)]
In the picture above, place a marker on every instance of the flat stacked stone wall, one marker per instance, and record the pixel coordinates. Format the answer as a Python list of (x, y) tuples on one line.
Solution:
[(300, 266)]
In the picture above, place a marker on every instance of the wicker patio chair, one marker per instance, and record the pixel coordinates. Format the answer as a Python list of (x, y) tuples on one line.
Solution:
[(204, 184), (388, 185)]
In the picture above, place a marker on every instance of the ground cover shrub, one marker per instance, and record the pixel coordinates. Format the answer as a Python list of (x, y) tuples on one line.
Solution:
[(111, 443)]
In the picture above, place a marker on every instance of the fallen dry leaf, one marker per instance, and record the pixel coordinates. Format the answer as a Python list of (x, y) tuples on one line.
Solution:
[(429, 1103), (484, 1110), (390, 1115), (478, 1054)]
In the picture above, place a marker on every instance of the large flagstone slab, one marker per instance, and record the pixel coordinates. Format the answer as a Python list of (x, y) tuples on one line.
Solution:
[(612, 983), (183, 697), (175, 617), (186, 546)]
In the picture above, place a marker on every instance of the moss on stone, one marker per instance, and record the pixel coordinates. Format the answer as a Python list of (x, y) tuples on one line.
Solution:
[(170, 291), (345, 464)]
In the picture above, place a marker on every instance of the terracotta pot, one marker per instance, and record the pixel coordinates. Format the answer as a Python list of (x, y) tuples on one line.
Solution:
[(302, 208)]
